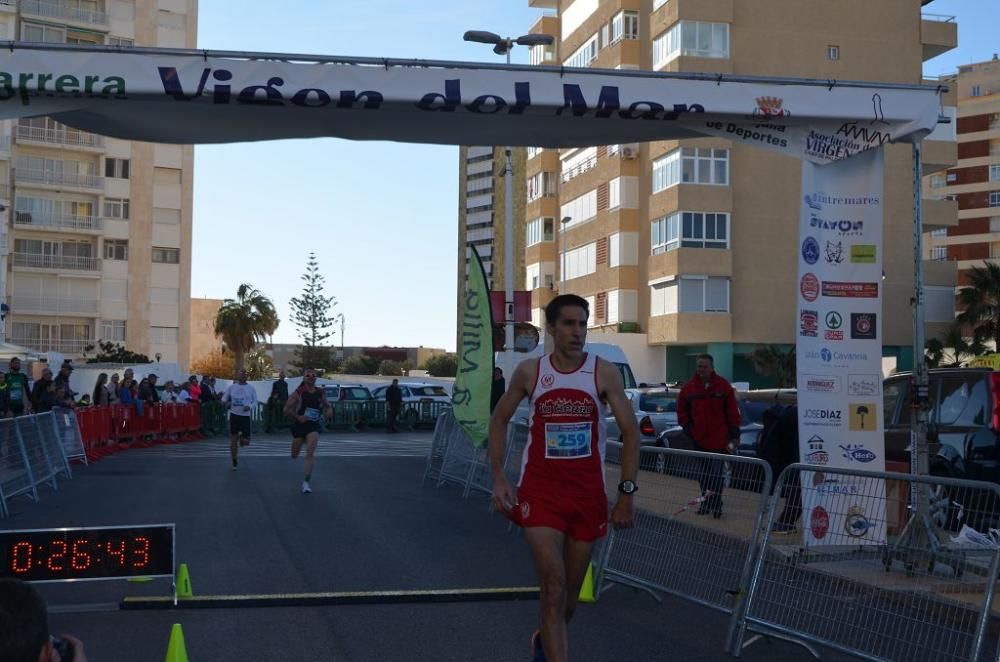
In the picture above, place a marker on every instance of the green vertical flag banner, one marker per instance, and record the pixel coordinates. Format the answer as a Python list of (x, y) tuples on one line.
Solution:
[(470, 398)]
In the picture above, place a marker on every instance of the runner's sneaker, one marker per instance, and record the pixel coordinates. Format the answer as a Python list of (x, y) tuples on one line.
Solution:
[(234, 466), (305, 488), (538, 654)]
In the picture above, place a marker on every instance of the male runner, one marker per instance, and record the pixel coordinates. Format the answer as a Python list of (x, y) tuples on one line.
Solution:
[(241, 398), (17, 389), (305, 407), (561, 499)]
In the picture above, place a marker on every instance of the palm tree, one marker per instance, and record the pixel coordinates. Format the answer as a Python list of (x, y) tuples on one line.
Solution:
[(245, 320), (961, 349), (980, 303), (772, 361)]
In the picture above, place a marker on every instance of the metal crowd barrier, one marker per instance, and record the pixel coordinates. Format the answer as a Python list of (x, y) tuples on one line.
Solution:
[(67, 432), (31, 454), (439, 446), (868, 575), (481, 475), (684, 543)]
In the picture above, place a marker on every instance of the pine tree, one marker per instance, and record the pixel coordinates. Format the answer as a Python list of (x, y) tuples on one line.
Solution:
[(312, 314)]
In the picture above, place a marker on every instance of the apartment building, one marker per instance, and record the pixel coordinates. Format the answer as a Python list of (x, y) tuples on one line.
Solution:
[(481, 213), (693, 243), (97, 231), (974, 183)]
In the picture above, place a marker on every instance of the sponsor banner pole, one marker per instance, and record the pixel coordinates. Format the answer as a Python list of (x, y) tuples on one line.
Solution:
[(470, 396), (839, 345)]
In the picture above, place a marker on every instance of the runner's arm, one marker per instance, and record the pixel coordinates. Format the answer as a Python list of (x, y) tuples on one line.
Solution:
[(291, 404), (521, 382), (613, 391)]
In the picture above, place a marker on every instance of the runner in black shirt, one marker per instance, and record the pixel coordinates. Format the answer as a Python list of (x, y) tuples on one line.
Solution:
[(306, 407)]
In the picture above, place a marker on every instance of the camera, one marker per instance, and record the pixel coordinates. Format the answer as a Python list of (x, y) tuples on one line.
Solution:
[(64, 648)]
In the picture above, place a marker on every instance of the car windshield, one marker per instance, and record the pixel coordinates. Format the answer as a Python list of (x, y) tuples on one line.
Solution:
[(429, 391), (658, 402), (354, 393)]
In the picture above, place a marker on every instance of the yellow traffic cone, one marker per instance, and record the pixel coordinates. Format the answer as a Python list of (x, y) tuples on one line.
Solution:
[(176, 651), (184, 582), (587, 590)]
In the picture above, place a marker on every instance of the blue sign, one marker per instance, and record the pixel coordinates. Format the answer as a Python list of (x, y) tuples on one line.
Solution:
[(810, 250)]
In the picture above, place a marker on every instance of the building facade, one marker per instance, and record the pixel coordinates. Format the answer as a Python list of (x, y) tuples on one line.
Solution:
[(203, 339), (481, 213), (97, 231), (974, 183), (693, 243)]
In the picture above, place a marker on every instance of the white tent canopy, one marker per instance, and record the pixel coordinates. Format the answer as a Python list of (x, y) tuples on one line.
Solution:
[(190, 97)]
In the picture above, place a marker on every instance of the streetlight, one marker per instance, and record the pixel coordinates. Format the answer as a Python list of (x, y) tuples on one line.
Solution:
[(339, 317), (566, 220), (503, 46)]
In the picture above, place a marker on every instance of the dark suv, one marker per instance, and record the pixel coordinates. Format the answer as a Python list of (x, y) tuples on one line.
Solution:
[(963, 422)]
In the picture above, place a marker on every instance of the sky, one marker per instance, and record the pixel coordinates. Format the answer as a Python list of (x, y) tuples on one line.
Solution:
[(381, 217)]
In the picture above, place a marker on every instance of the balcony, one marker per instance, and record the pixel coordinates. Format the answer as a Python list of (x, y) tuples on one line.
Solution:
[(579, 169), (63, 137), (690, 328), (938, 34), (61, 262), (939, 213), (938, 155), (4, 143), (40, 221), (68, 347), (65, 10), (55, 306), (59, 178)]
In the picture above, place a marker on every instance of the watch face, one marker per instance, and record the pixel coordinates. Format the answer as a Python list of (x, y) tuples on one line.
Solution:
[(628, 487)]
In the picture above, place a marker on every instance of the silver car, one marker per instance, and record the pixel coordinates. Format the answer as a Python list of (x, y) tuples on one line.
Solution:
[(655, 410)]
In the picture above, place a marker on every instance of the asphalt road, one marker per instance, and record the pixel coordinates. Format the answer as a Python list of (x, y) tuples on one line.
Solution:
[(368, 526)]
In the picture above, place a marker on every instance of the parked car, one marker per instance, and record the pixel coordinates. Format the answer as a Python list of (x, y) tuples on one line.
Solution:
[(347, 392), (655, 410), (352, 404), (422, 401)]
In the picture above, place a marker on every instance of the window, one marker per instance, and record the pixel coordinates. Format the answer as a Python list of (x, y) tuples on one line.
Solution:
[(833, 52), (541, 52), (892, 393), (116, 208), (163, 335), (976, 91), (116, 249), (532, 152), (117, 168), (939, 252), (539, 230), (964, 401), (700, 294), (691, 38), (171, 216), (46, 33), (938, 181), (658, 3), (580, 261), (123, 10), (995, 172), (579, 210), (167, 255), (48, 210), (583, 55), (113, 330), (542, 184), (690, 230), (121, 42), (940, 232), (994, 198), (625, 25), (690, 165), (170, 20)]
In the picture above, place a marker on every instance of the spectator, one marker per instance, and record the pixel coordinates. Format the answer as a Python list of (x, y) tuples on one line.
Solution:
[(113, 389), (393, 403), (276, 401), (47, 399), (498, 388), (707, 410), (17, 389), (84, 401), (4, 396), (778, 445), (169, 392), (62, 379), (207, 393), (40, 386), (127, 395), (62, 398), (193, 389), (184, 395), (24, 628), (147, 390), (102, 394)]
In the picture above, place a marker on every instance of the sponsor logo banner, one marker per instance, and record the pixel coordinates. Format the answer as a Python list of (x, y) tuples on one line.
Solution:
[(839, 372)]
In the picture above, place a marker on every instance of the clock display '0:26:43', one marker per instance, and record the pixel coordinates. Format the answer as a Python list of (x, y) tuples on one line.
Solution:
[(86, 553)]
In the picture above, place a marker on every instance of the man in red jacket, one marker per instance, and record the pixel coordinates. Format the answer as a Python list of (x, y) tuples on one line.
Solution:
[(707, 410)]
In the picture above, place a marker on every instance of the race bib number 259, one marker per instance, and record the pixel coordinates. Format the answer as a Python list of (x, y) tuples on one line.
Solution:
[(567, 441)]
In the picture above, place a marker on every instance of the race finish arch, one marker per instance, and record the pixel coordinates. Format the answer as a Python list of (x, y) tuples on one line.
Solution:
[(836, 128)]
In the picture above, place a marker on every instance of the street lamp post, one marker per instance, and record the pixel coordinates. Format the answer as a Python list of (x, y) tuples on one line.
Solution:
[(503, 46)]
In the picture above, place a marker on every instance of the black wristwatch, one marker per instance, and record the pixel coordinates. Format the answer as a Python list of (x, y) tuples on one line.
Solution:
[(628, 487)]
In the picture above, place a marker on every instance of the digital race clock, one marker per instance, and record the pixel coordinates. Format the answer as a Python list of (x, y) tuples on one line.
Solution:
[(115, 552)]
